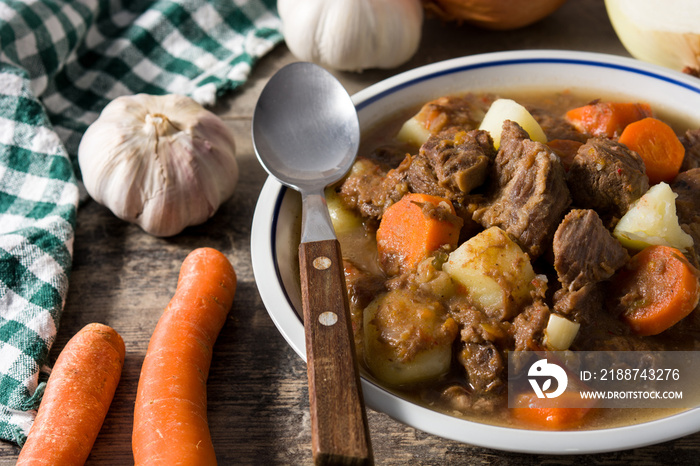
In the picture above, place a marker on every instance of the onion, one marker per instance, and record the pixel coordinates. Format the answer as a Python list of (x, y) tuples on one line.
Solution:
[(494, 14), (560, 333), (665, 33)]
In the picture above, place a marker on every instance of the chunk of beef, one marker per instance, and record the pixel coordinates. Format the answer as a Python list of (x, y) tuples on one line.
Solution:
[(687, 186), (449, 165), (370, 189), (601, 327), (464, 400), (484, 366), (529, 195), (529, 325), (584, 305), (476, 327), (418, 176), (585, 255), (585, 251), (513, 152), (607, 177), (464, 111), (362, 288), (555, 126), (566, 149), (459, 159), (693, 254), (481, 337), (691, 142)]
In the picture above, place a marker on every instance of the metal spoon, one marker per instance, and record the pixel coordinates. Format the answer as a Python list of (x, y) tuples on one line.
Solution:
[(306, 134)]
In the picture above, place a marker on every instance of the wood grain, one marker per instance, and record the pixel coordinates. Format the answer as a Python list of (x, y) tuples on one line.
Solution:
[(339, 430)]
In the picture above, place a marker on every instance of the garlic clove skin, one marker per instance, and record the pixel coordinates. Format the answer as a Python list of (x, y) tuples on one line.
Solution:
[(664, 33), (352, 35), (161, 162)]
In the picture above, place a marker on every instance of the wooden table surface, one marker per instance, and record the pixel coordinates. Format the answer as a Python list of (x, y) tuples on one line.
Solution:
[(258, 405)]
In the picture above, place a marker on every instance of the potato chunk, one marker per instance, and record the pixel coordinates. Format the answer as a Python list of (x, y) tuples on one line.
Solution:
[(407, 338), (344, 220), (413, 132), (652, 220), (507, 109), (494, 272), (358, 246)]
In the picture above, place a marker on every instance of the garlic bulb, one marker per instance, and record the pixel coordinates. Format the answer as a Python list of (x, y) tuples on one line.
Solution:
[(352, 35), (162, 162), (665, 33)]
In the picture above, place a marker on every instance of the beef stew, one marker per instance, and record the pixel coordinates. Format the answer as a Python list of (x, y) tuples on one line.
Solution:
[(439, 331)]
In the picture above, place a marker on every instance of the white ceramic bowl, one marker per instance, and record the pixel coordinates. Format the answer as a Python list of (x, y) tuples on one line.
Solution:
[(276, 222)]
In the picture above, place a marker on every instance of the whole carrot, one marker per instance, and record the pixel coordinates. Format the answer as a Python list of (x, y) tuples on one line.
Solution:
[(170, 414), (77, 397)]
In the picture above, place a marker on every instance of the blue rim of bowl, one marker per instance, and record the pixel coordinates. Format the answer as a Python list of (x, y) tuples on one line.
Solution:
[(527, 61), (531, 440)]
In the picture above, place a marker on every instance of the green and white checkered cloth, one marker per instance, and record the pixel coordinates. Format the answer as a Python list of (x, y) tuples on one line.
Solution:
[(61, 62)]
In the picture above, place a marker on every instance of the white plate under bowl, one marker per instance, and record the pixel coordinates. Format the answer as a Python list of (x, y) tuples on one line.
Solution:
[(275, 224)]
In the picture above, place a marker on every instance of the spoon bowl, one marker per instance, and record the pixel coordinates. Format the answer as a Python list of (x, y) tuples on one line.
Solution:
[(321, 108), (306, 134)]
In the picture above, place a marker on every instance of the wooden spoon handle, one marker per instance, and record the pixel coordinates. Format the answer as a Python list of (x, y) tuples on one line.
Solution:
[(339, 429)]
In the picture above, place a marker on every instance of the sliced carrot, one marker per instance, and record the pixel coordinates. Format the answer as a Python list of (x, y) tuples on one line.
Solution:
[(170, 413), (658, 145), (77, 397), (551, 413), (415, 226), (607, 118), (659, 287)]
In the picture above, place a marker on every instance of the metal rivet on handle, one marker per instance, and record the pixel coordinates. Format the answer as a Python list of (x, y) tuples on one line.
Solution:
[(328, 318), (322, 263)]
